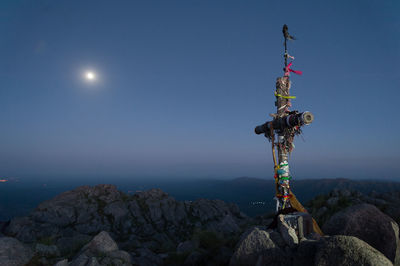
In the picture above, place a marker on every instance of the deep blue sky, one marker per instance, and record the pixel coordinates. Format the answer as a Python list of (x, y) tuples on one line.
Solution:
[(181, 85)]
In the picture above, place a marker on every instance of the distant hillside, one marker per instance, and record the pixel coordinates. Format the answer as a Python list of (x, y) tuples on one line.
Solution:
[(247, 190), (254, 196), (249, 193), (253, 189)]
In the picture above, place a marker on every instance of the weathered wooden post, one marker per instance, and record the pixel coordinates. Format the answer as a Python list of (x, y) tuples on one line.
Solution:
[(285, 124)]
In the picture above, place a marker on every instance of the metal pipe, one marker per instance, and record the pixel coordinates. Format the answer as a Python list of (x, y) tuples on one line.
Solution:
[(280, 123)]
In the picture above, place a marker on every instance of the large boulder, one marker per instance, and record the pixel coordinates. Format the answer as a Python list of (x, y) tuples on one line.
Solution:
[(102, 250), (367, 223), (102, 243), (13, 252), (256, 243), (348, 251)]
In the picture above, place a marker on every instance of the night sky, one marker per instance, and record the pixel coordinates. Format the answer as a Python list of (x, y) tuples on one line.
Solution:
[(180, 86)]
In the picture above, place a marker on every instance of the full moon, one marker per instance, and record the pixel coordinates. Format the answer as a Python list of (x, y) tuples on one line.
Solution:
[(90, 75)]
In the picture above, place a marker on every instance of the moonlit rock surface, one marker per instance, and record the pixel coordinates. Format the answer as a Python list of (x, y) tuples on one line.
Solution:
[(369, 224)]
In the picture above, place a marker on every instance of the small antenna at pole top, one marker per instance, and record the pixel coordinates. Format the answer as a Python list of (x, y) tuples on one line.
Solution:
[(286, 33)]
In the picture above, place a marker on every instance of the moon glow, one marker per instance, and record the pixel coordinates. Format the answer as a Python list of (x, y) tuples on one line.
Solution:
[(90, 75)]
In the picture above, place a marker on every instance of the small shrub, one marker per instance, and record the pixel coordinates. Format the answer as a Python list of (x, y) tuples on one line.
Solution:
[(207, 239), (175, 258), (343, 203), (125, 197), (34, 261), (48, 241), (318, 202)]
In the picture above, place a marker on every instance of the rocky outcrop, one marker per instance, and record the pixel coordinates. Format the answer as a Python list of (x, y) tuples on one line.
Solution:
[(102, 226), (367, 223), (13, 252), (324, 206), (146, 223)]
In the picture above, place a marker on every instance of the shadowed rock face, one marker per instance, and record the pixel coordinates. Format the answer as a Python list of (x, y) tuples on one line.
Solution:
[(367, 223)]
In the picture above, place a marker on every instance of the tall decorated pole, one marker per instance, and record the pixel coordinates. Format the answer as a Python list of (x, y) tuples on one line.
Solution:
[(285, 125)]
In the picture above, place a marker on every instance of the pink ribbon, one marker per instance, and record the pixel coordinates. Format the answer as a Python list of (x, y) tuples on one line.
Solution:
[(288, 69)]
